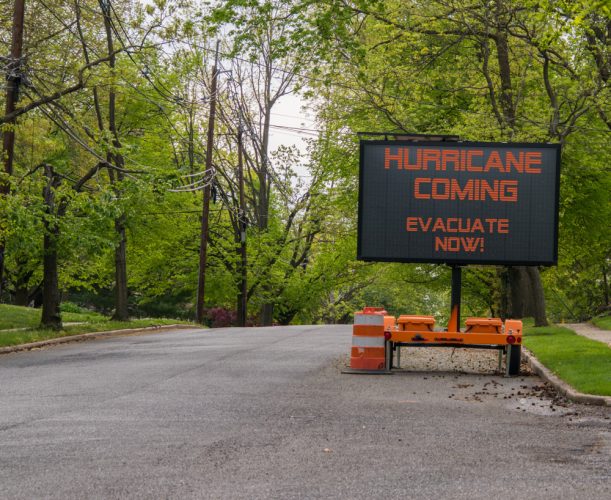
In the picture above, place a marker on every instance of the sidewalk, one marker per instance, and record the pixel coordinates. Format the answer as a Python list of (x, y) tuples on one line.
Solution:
[(590, 331)]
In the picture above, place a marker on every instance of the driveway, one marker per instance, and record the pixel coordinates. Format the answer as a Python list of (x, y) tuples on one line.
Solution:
[(266, 413)]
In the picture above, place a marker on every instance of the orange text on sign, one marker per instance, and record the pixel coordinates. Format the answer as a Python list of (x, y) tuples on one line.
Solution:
[(457, 225), (464, 160), (427, 188)]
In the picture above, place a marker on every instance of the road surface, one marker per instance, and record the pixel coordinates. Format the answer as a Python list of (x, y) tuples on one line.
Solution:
[(266, 413)]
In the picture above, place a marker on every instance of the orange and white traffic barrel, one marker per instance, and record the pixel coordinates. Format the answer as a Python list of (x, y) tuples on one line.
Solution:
[(368, 341)]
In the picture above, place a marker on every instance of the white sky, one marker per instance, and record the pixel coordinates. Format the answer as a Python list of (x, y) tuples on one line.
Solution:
[(289, 111)]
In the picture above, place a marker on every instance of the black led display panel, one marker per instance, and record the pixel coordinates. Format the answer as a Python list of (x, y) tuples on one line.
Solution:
[(459, 202)]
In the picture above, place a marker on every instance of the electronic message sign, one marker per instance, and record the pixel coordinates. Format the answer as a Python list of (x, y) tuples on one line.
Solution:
[(459, 202)]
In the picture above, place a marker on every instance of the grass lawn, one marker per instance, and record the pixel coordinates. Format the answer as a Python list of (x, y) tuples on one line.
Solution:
[(603, 322), (585, 364), (29, 318)]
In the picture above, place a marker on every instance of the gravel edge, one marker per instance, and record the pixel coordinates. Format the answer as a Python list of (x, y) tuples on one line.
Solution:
[(89, 336), (560, 385)]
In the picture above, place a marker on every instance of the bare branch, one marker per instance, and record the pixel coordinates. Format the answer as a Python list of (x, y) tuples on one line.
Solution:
[(80, 84)]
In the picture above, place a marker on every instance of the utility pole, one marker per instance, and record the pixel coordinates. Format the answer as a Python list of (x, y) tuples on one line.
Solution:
[(203, 248), (243, 295), (13, 78)]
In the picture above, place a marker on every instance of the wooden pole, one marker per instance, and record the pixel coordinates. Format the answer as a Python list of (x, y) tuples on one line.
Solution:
[(203, 249), (243, 295), (13, 79)]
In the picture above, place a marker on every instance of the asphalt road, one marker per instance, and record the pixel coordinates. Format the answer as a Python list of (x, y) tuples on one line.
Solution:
[(266, 413)]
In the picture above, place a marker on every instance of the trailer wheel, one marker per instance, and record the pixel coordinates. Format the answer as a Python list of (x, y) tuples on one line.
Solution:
[(514, 354)]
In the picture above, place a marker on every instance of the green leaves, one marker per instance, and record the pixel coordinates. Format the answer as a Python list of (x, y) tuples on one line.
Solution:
[(366, 65)]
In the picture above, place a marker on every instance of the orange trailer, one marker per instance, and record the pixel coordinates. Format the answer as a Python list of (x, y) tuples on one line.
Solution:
[(377, 337), (480, 333)]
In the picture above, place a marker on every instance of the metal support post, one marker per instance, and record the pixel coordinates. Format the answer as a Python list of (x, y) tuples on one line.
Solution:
[(454, 323), (388, 355), (507, 360)]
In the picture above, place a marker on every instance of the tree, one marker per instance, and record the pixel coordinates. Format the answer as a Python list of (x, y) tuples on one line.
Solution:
[(75, 42), (474, 70), (264, 34), (110, 149)]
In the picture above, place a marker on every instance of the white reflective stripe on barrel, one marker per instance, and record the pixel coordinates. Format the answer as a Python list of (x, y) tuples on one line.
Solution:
[(358, 341), (368, 319)]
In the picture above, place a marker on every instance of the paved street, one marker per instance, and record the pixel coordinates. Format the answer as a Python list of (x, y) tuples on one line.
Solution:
[(266, 413)]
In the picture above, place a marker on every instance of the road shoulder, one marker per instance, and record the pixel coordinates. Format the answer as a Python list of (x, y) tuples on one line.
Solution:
[(90, 336), (562, 387)]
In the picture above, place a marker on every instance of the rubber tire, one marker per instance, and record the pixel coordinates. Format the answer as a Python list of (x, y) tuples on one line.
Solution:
[(515, 355)]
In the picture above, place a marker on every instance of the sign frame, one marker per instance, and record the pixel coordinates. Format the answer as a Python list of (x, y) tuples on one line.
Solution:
[(458, 261)]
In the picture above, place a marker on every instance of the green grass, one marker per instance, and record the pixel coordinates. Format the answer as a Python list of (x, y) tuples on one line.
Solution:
[(29, 318), (583, 363), (18, 317), (603, 322)]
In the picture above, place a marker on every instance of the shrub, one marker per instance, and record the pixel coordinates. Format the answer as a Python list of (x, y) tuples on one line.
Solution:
[(219, 317), (71, 307)]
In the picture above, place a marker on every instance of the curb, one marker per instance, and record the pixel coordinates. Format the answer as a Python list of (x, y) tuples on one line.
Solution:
[(560, 385), (351, 371), (89, 336)]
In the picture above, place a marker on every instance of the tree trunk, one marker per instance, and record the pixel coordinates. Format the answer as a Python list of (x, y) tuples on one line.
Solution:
[(267, 309), (243, 285), (209, 177), (121, 310), (538, 297), (121, 301), (518, 292), (525, 289), (285, 317), (21, 280), (522, 294), (51, 317), (240, 309), (22, 295), (502, 54), (13, 80), (605, 285), (267, 314)]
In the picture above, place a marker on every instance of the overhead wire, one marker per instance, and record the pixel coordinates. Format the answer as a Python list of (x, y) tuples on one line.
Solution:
[(312, 78), (345, 86), (168, 95), (142, 72), (60, 122), (274, 68)]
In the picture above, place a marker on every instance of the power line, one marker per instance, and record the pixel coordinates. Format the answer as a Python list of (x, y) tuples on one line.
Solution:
[(327, 83), (170, 97)]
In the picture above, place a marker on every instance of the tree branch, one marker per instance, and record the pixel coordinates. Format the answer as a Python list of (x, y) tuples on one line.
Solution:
[(82, 81)]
